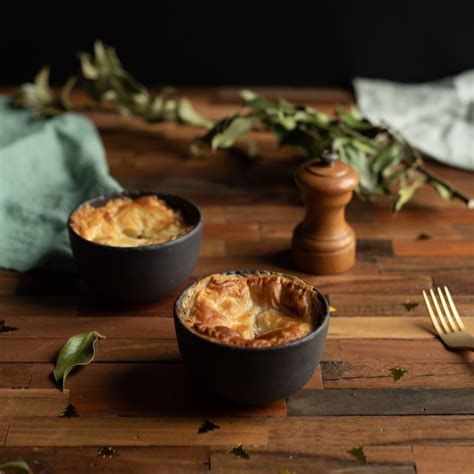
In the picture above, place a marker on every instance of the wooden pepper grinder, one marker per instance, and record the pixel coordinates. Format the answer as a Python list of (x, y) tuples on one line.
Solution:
[(323, 243)]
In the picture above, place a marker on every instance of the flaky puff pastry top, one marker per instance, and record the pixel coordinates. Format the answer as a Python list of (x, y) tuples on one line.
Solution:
[(253, 310), (125, 222)]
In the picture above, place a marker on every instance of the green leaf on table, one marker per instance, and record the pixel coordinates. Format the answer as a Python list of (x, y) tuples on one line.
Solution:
[(70, 412), (4, 328), (236, 128), (207, 426), (397, 373), (187, 114), (443, 191), (359, 454), (239, 451), (18, 465), (78, 350), (354, 120), (406, 192), (332, 309), (107, 452), (286, 471), (389, 156), (423, 236), (408, 305)]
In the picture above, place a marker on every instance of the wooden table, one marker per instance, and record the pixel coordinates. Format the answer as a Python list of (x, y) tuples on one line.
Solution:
[(137, 398)]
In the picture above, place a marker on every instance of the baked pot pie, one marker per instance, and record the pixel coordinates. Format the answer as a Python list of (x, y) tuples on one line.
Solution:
[(251, 310), (251, 336), (121, 262), (127, 222)]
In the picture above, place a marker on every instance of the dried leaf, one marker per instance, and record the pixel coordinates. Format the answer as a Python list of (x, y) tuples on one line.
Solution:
[(408, 305), (397, 373), (389, 156), (107, 452), (382, 158), (18, 465), (79, 350), (359, 454), (406, 193), (239, 451), (443, 191), (353, 121), (188, 115), (207, 426), (423, 236), (70, 412), (4, 328), (237, 127)]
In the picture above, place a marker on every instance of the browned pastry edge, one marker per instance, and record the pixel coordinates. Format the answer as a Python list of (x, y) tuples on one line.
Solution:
[(107, 224), (269, 290)]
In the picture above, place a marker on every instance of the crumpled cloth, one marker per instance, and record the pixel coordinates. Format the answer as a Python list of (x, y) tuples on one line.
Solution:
[(47, 168), (437, 117)]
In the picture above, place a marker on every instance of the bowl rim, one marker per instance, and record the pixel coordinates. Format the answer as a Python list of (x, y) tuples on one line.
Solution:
[(315, 332), (141, 248)]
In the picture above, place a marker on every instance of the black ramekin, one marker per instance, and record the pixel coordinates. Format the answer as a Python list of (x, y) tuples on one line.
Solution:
[(251, 375), (138, 274)]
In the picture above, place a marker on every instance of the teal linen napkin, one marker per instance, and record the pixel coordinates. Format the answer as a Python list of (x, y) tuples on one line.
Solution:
[(47, 167)]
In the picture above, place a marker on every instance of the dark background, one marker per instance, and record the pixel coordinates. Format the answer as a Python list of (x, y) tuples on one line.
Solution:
[(244, 43)]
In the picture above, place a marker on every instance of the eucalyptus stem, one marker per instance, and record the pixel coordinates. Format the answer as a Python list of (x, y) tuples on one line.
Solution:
[(385, 161)]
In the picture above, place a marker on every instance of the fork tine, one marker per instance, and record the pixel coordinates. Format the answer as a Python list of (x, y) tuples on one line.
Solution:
[(453, 308), (446, 310), (432, 315), (439, 312)]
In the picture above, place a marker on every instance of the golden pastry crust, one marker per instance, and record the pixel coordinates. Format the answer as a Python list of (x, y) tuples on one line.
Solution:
[(125, 222), (254, 310)]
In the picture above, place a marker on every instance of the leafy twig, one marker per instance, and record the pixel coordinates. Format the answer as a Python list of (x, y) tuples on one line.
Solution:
[(385, 161)]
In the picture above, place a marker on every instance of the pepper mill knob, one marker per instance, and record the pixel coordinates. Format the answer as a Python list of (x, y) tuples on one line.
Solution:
[(324, 243)]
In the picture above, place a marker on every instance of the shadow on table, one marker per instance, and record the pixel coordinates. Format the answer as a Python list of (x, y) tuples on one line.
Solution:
[(152, 389)]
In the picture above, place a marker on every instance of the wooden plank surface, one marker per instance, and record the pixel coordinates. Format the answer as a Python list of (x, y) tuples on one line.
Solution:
[(382, 401), (308, 434), (134, 432), (136, 460), (270, 463), (137, 396)]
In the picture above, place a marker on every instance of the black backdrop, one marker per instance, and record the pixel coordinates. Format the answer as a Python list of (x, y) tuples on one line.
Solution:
[(244, 43)]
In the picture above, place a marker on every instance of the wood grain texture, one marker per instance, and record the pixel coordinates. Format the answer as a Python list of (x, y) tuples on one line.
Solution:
[(105, 389), (136, 460), (398, 352), (32, 402), (391, 305), (385, 328), (134, 432), (382, 401), (433, 248), (51, 306), (113, 328), (124, 350), (3, 431), (250, 209), (309, 434), (8, 282), (374, 373), (271, 463), (444, 460), (424, 264), (15, 375)]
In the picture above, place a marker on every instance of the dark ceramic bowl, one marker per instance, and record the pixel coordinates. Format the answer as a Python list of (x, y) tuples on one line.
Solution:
[(138, 274), (247, 374)]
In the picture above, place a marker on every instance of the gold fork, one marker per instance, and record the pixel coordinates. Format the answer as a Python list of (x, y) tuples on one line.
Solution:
[(449, 327)]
